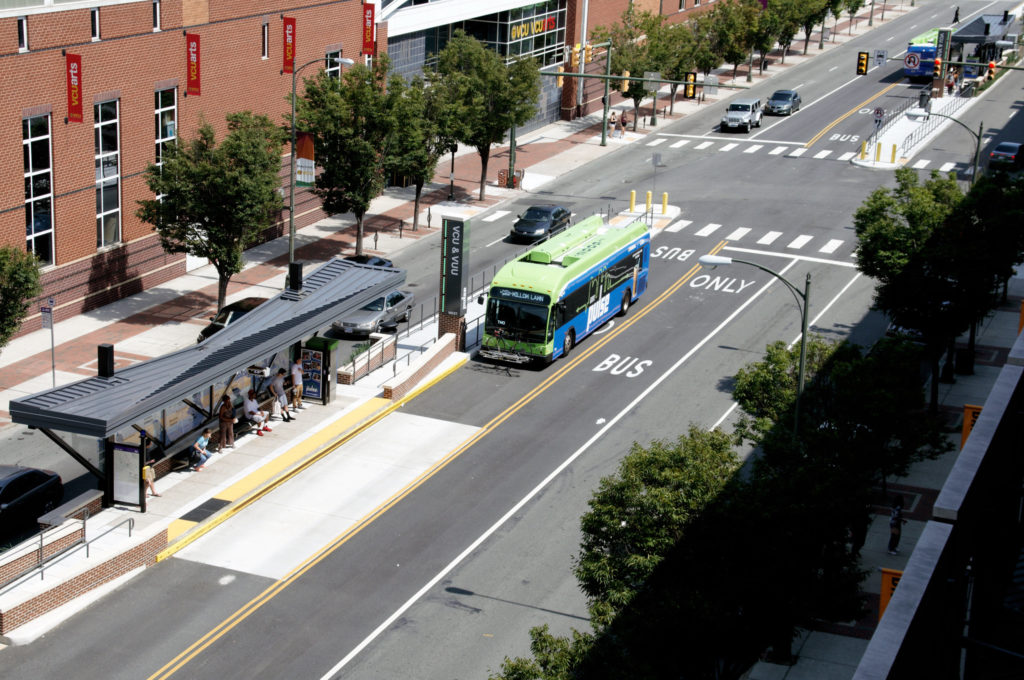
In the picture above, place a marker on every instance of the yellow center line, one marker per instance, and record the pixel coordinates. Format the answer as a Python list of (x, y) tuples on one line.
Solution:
[(849, 113), (271, 591)]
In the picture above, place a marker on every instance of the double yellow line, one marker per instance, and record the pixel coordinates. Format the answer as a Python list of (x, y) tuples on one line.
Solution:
[(254, 604), (849, 113)]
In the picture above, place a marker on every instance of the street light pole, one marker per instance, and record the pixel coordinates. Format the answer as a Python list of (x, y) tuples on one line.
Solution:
[(805, 296), (291, 172), (977, 140)]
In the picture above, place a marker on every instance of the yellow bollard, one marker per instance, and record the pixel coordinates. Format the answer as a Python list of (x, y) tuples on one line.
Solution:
[(632, 201), (893, 154), (864, 149), (648, 206), (878, 151), (664, 203)]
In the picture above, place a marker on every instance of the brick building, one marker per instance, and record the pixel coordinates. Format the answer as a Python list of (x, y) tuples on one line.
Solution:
[(90, 91)]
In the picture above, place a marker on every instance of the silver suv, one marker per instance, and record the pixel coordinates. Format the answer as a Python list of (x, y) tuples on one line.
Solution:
[(742, 113)]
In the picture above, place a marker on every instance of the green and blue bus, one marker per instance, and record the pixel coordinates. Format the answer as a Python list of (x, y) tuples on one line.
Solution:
[(923, 46), (545, 301)]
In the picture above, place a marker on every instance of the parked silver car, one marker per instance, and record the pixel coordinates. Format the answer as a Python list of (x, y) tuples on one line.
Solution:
[(742, 113), (384, 313)]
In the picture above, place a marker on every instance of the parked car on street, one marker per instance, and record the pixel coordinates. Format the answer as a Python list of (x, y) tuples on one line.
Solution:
[(229, 314), (783, 103), (372, 260), (540, 222), (384, 313), (1006, 155), (25, 494), (742, 113)]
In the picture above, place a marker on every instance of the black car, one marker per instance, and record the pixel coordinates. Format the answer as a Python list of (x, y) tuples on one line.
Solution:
[(1006, 155), (540, 222), (25, 494), (230, 314), (783, 102), (372, 260)]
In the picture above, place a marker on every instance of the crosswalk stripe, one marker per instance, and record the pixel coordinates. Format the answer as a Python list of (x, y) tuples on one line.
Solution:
[(798, 152), (703, 145), (678, 225), (681, 142), (729, 147), (946, 167), (496, 215), (656, 142), (737, 234), (777, 150), (752, 149), (831, 246), (825, 153), (799, 241), (708, 230), (848, 155), (923, 163), (769, 238)]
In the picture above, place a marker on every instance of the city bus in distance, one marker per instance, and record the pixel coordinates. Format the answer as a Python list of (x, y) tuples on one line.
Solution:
[(548, 299), (924, 47)]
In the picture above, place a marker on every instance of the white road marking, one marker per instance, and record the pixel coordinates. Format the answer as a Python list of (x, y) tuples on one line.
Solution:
[(825, 153), (678, 225), (798, 152), (777, 150), (703, 145), (681, 142), (946, 167), (496, 215), (769, 238), (656, 142), (729, 147), (830, 247), (848, 155), (737, 234), (799, 241), (708, 230), (493, 242), (921, 164), (752, 149)]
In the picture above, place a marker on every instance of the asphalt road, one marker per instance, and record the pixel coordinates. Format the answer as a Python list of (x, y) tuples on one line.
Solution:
[(525, 483)]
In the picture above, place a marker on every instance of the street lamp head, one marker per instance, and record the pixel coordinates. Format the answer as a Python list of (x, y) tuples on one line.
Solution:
[(714, 260), (344, 61)]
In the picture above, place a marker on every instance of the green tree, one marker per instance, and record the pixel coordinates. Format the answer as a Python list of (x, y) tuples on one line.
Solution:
[(633, 52), (19, 284), (675, 55), (852, 7), (353, 127), (705, 52), (497, 97), (215, 200), (810, 13), (736, 26)]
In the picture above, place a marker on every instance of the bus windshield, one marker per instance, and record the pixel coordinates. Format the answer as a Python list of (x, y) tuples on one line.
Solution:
[(519, 320)]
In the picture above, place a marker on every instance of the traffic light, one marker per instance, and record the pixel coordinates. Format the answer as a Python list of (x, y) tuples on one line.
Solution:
[(588, 53), (862, 63), (937, 71), (991, 70), (690, 88), (625, 83), (575, 62), (560, 78)]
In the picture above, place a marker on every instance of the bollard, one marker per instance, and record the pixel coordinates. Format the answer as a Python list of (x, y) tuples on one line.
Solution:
[(375, 233), (893, 154), (648, 202), (632, 200), (664, 202), (401, 226), (863, 149), (428, 217), (878, 151)]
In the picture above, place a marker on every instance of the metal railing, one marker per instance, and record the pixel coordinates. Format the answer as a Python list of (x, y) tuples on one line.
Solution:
[(39, 548), (931, 122)]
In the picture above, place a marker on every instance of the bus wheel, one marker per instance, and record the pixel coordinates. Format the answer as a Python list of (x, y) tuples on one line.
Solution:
[(567, 342), (625, 302)]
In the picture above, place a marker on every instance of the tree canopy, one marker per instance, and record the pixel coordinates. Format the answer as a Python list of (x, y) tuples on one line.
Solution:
[(19, 284)]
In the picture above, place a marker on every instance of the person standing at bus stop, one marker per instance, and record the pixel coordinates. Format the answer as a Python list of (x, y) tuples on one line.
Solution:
[(297, 384), (281, 394), (227, 419)]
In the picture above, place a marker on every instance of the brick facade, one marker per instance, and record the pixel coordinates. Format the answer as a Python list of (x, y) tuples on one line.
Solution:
[(129, 63)]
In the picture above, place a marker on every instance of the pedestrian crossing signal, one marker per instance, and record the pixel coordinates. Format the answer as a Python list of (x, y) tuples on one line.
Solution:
[(862, 63), (937, 70), (690, 85)]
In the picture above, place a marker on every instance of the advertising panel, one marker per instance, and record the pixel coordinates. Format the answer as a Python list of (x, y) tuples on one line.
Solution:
[(289, 44), (368, 26), (192, 73), (454, 251), (74, 72), (312, 373)]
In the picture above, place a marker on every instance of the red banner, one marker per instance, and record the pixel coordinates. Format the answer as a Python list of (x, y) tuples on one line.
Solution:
[(367, 29), (289, 44), (192, 78), (305, 163), (74, 72)]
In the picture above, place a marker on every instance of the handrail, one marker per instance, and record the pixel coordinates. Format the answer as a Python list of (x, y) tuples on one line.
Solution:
[(43, 559), (930, 124)]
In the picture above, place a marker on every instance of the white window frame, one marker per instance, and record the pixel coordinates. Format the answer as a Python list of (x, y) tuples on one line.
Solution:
[(331, 65), (156, 16), (102, 162), (23, 34), (32, 200), (265, 41), (161, 131), (94, 23)]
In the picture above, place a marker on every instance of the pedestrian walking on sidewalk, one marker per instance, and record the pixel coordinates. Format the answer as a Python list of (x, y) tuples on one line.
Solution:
[(254, 413), (613, 123), (149, 476), (624, 122), (297, 383), (227, 419), (956, 15), (199, 454), (896, 523), (281, 394)]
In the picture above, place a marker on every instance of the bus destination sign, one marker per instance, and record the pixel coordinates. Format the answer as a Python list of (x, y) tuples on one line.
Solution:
[(520, 296)]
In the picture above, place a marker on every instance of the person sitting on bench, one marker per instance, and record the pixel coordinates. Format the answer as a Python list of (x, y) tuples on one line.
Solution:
[(255, 414)]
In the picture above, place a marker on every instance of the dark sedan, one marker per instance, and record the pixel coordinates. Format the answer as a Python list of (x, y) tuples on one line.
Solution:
[(229, 315), (540, 222), (372, 260), (783, 103), (1005, 155), (25, 494)]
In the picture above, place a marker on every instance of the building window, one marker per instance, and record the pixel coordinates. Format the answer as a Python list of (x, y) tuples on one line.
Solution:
[(94, 22), (23, 34), (156, 15), (682, 5), (108, 173), (35, 141), (166, 109), (265, 37), (332, 67)]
